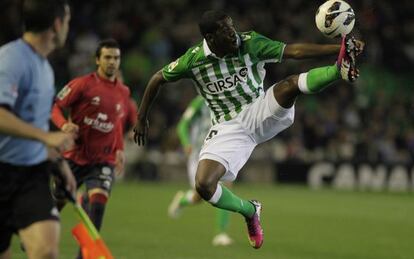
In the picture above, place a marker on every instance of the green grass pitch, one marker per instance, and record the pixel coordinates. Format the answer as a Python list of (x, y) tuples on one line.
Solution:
[(298, 223)]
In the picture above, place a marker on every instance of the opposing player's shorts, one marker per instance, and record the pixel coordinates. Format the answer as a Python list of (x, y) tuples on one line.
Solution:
[(93, 176), (25, 198), (231, 142)]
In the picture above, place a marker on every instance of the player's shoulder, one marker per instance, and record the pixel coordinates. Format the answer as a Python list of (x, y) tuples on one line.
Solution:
[(250, 36), (193, 56), (82, 80), (13, 53), (125, 89), (12, 48)]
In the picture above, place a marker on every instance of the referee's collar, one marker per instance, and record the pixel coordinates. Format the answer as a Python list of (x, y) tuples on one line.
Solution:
[(208, 52)]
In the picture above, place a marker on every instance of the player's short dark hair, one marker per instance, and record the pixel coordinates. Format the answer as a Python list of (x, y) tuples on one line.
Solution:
[(107, 43), (209, 21), (39, 15)]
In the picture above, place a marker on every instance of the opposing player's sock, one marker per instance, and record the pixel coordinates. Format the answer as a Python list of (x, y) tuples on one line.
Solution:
[(97, 204), (223, 198), (318, 79)]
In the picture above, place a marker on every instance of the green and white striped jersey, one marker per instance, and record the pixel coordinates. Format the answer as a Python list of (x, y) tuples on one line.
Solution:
[(230, 83)]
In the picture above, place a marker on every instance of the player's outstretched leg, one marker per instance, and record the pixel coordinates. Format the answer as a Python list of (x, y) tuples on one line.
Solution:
[(317, 79), (181, 200), (208, 175)]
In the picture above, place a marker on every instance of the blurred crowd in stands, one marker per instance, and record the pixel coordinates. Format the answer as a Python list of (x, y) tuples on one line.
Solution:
[(369, 121)]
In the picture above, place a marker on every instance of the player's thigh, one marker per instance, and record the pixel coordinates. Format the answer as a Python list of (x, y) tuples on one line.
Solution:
[(5, 240), (229, 145), (100, 179), (5, 254), (41, 237), (209, 172), (6, 207), (33, 201), (265, 118)]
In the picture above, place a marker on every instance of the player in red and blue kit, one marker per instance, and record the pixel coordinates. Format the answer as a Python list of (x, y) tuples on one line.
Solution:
[(98, 104)]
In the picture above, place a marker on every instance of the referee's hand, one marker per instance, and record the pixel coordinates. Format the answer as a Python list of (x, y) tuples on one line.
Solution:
[(67, 177), (141, 132), (59, 140)]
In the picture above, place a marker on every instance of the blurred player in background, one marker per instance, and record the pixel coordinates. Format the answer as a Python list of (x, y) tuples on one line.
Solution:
[(27, 88), (228, 70), (97, 104), (192, 129)]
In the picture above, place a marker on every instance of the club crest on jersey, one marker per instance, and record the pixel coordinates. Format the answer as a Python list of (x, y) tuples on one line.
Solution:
[(64, 92), (228, 82), (96, 100), (172, 65), (245, 37)]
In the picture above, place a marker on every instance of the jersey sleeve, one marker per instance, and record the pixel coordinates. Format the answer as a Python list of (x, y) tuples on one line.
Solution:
[(11, 76), (185, 121), (70, 93), (264, 48), (177, 69)]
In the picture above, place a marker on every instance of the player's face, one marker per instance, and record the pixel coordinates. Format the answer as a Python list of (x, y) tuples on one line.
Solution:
[(225, 37), (62, 28), (109, 61)]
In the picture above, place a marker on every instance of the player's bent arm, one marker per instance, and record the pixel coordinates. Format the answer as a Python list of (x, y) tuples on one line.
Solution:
[(310, 50), (57, 116), (60, 121), (11, 125), (150, 94)]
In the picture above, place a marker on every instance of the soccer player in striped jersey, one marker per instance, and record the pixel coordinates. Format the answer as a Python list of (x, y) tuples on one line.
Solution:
[(227, 68), (192, 129)]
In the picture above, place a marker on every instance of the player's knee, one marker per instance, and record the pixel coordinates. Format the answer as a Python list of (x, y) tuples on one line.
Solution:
[(45, 251), (205, 188), (98, 197), (288, 86), (286, 91)]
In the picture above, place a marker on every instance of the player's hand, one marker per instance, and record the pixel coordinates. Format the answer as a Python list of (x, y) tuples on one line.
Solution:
[(64, 177), (119, 163), (141, 132), (130, 135), (59, 140), (70, 127)]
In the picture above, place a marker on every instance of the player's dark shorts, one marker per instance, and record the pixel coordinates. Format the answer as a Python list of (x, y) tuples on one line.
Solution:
[(25, 198), (93, 176)]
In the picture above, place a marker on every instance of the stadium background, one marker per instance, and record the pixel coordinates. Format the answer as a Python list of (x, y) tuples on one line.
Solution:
[(360, 136)]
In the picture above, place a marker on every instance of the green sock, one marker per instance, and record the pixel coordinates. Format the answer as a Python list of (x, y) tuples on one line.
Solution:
[(223, 217), (187, 199), (318, 78), (229, 201)]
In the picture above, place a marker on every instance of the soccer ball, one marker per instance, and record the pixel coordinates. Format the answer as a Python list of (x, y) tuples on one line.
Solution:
[(334, 18)]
